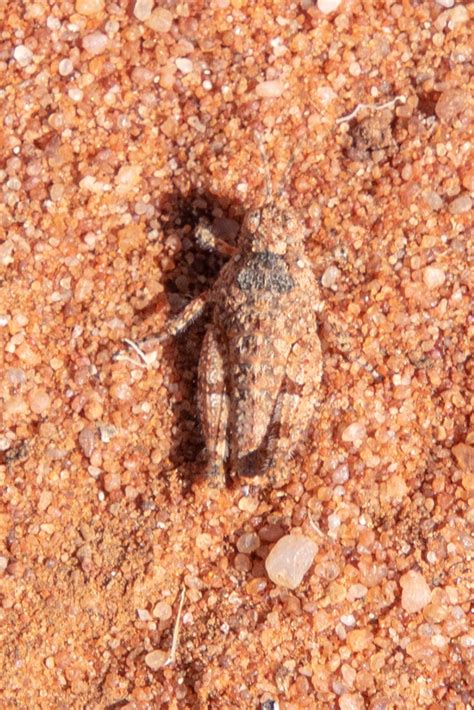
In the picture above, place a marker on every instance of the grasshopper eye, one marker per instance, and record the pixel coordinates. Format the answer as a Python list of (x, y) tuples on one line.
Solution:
[(252, 220)]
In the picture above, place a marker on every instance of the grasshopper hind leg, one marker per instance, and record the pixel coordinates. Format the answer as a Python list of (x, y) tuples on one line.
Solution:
[(295, 409), (214, 406)]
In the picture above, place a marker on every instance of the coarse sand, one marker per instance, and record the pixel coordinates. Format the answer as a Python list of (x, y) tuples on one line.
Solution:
[(126, 580)]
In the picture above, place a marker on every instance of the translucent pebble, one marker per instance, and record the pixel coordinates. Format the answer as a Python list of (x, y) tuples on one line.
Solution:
[(433, 200), (248, 504), (40, 401), (156, 659), (248, 542), (142, 9), (44, 501), (461, 205), (341, 474), (256, 585), (144, 615), (112, 482), (87, 441), (89, 7), (415, 592), (451, 103), (351, 701), (354, 432), (75, 94), (269, 89), (464, 455), (330, 277), (459, 15), (328, 6), (5, 443), (433, 277), (162, 611), (160, 20), (290, 559), (128, 176), (445, 3), (359, 639), (95, 43), (203, 541), (184, 65), (356, 591), (22, 55), (66, 67)]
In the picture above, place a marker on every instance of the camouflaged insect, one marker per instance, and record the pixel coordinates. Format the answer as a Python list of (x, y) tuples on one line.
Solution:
[(260, 366)]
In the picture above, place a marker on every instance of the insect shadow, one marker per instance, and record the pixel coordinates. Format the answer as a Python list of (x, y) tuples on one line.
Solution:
[(195, 270)]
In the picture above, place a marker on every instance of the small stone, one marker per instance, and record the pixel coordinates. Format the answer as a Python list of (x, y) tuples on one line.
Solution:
[(144, 615), (95, 43), (112, 482), (248, 504), (87, 441), (354, 433), (203, 541), (22, 55), (458, 15), (445, 3), (89, 7), (3, 564), (142, 9), (433, 200), (65, 67), (433, 277), (270, 89), (356, 591), (83, 289), (395, 488), (359, 639), (271, 533), (44, 501), (416, 593), (160, 20), (328, 6), (464, 455), (248, 543), (450, 104), (290, 559), (40, 401), (354, 69), (128, 177), (5, 443), (461, 205), (184, 65), (156, 659), (162, 611), (351, 701), (256, 586), (330, 277)]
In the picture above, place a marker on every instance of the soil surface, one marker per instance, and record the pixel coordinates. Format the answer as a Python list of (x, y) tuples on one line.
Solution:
[(123, 124)]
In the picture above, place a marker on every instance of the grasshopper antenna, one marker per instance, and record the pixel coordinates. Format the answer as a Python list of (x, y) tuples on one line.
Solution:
[(286, 173), (266, 168)]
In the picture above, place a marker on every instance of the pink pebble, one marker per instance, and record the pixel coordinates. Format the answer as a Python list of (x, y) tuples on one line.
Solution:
[(415, 592)]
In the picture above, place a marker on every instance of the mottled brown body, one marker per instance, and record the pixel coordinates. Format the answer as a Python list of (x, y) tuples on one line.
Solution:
[(260, 367)]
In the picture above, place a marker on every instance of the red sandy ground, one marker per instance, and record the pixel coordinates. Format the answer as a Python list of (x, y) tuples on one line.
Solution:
[(121, 127)]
